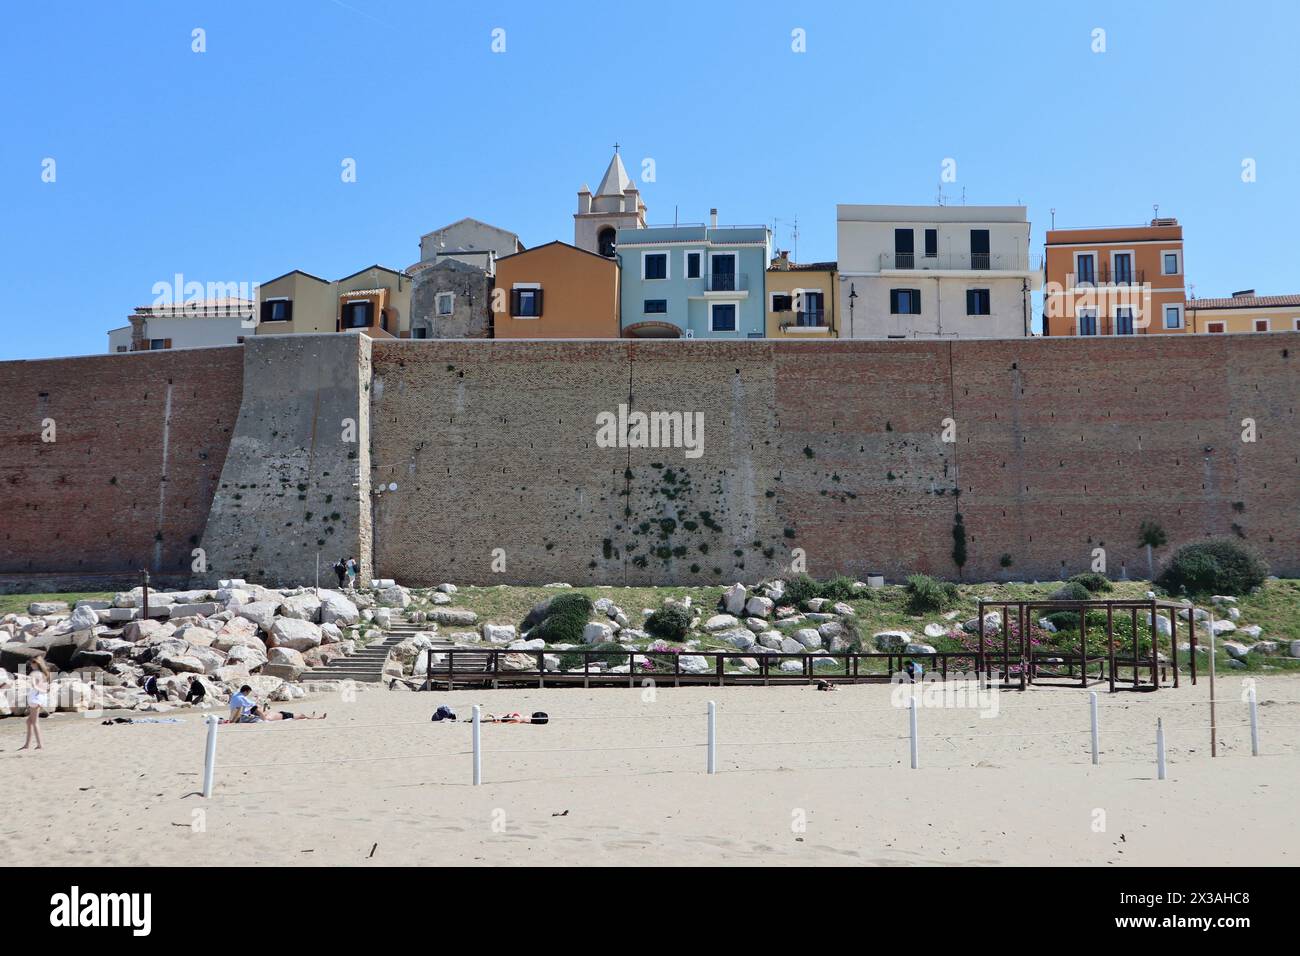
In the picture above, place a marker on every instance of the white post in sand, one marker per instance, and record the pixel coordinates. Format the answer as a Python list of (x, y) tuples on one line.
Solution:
[(210, 755), (1254, 723), (1214, 724), (713, 738), (916, 743), (1160, 749), (1092, 706), (478, 750)]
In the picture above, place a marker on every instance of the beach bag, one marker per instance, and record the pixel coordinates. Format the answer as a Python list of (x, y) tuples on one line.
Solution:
[(539, 717), (444, 713)]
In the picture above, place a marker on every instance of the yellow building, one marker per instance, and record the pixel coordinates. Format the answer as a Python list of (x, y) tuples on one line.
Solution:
[(376, 300), (1245, 312), (801, 299), (296, 302)]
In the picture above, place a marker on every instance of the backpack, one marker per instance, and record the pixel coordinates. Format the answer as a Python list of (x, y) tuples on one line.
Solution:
[(539, 717)]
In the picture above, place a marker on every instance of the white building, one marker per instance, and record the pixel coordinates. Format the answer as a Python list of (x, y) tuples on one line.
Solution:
[(935, 271), (195, 324)]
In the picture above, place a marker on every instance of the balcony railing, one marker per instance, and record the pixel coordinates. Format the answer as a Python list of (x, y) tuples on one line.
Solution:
[(957, 262), (811, 320), (726, 282), (1105, 276), (1108, 327)]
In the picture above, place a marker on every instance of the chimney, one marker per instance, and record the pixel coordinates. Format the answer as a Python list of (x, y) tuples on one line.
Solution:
[(782, 261), (1244, 294), (713, 218)]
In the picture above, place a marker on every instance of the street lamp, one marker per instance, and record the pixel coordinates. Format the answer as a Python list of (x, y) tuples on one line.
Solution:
[(853, 300)]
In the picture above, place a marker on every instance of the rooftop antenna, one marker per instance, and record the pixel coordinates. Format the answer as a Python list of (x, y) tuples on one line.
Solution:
[(674, 215), (939, 199), (963, 195), (1155, 208), (1053, 217), (794, 232)]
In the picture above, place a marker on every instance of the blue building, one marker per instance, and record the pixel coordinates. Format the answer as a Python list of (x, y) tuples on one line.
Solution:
[(693, 281)]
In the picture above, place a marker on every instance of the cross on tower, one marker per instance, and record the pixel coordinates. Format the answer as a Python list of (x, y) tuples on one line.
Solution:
[(616, 147)]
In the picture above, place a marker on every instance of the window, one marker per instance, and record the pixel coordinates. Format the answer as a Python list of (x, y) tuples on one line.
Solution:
[(1123, 320), (1215, 327), (722, 317), (655, 307), (722, 272), (1169, 264), (1123, 267), (1296, 322), (445, 303), (812, 310), (904, 301), (1087, 321), (782, 301), (358, 314), (977, 302), (122, 348), (654, 265), (931, 243), (605, 242), (1173, 316), (904, 250), (160, 344), (277, 310), (420, 332), (979, 249), (693, 265), (526, 302), (1262, 325), (1085, 268)]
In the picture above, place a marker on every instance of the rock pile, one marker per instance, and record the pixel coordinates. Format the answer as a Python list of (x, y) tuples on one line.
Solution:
[(237, 634)]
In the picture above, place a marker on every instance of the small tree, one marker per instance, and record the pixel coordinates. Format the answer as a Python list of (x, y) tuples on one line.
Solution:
[(1151, 535)]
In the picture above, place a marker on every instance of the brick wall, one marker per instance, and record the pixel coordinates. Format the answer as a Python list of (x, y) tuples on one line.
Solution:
[(140, 439), (831, 448), (1062, 446)]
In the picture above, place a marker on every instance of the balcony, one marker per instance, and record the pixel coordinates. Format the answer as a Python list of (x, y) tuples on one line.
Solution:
[(1107, 327), (1104, 276), (810, 320), (726, 282), (955, 262)]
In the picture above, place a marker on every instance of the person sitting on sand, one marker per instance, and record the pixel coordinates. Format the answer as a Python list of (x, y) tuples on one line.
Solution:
[(242, 706), (149, 683), (914, 671), (826, 685), (263, 714)]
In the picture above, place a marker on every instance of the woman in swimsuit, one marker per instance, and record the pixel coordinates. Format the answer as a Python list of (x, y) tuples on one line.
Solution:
[(38, 685), (286, 715)]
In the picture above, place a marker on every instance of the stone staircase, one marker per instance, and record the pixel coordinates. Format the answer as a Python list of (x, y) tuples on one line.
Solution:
[(367, 665)]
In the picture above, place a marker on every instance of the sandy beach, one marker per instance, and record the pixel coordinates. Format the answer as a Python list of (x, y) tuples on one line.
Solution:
[(803, 778)]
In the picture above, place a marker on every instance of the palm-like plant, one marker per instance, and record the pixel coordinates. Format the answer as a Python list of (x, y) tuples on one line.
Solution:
[(1151, 535)]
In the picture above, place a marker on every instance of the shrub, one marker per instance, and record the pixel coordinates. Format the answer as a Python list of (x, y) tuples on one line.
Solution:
[(1219, 567), (1071, 591), (802, 588), (1093, 581), (672, 622), (925, 594), (612, 654), (566, 618)]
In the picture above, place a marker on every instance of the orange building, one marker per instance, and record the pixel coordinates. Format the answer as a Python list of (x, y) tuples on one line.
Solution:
[(555, 291), (1125, 280)]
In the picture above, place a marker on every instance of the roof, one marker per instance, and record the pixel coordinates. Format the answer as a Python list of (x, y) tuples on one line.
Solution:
[(296, 272), (353, 275), (616, 179), (477, 222), (1247, 302), (814, 266), (558, 242), (195, 308)]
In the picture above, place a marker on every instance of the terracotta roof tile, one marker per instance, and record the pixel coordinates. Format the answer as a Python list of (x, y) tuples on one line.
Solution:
[(1246, 302)]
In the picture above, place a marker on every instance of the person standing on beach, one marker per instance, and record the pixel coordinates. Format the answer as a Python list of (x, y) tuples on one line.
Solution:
[(38, 686)]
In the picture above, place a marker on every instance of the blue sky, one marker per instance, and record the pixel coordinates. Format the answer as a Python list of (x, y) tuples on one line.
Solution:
[(225, 165)]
